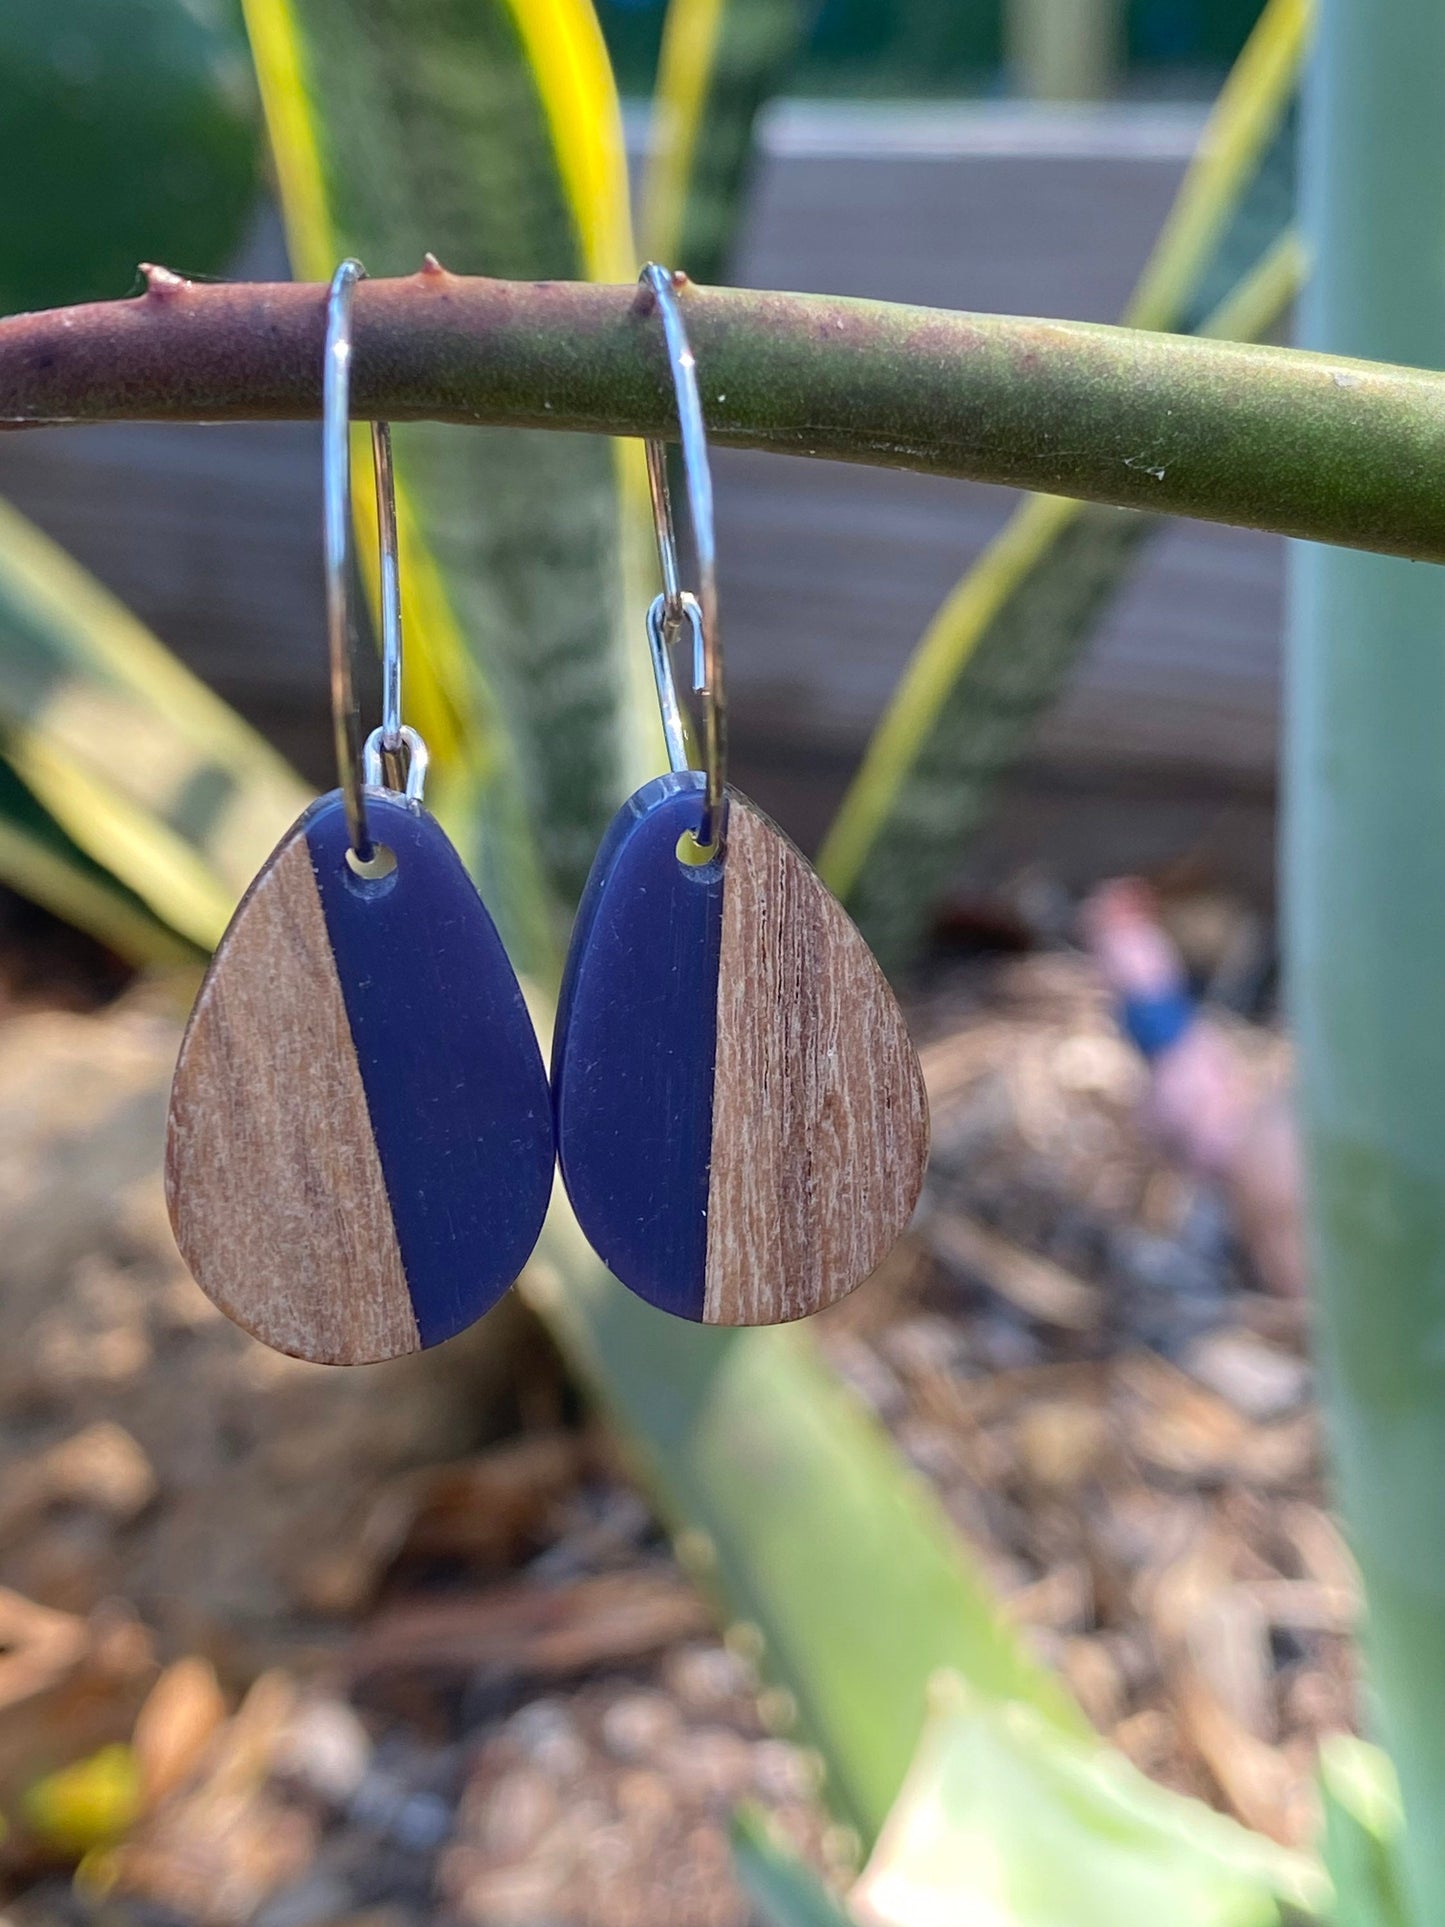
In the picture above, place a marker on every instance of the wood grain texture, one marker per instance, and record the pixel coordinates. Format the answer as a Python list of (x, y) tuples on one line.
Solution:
[(820, 1122), (273, 1180)]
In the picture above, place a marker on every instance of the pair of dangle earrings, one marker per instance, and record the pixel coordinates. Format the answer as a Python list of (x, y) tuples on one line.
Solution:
[(363, 1137)]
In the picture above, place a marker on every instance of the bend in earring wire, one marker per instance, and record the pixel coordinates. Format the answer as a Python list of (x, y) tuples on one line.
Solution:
[(674, 723)]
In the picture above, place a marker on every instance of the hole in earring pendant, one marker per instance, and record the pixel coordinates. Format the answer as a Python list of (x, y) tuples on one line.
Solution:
[(373, 869), (694, 855)]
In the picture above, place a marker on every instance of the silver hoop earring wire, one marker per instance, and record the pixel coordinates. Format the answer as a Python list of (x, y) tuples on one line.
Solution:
[(674, 608), (377, 764)]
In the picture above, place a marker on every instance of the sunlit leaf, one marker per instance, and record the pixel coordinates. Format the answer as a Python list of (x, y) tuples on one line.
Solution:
[(39, 861), (143, 768), (1007, 1822)]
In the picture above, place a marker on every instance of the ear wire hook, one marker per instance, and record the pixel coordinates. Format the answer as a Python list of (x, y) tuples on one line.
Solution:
[(359, 768), (674, 607)]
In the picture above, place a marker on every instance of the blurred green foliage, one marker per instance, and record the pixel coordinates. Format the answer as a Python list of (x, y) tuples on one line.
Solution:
[(932, 47), (1005, 1819), (130, 132), (791, 1507), (1360, 1795)]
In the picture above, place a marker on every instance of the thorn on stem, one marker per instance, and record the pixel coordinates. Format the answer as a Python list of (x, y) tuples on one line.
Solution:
[(162, 282), (646, 301), (430, 265)]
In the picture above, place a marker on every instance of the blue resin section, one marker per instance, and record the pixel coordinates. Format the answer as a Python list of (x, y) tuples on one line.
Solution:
[(454, 1079), (636, 1042), (1152, 1024)]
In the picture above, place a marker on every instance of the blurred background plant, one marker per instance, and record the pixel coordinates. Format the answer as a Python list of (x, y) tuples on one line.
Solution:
[(135, 805)]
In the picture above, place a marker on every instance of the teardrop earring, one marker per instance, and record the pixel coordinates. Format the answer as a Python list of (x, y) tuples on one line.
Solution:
[(360, 1150), (741, 1119)]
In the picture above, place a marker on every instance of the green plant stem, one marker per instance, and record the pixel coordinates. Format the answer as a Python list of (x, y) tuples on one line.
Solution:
[(1365, 809), (1343, 452)]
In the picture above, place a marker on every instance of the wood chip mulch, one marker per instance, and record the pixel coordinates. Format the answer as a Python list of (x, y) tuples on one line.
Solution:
[(375, 1663)]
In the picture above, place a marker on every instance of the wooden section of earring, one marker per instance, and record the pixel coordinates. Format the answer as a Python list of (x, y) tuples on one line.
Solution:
[(819, 1119), (360, 1148), (740, 1114), (270, 1148)]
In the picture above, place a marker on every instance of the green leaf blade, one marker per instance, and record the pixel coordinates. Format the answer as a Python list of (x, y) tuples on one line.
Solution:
[(1007, 1820), (489, 136), (135, 132), (721, 61), (1000, 649), (795, 1511), (1363, 1825), (785, 1891), (143, 769)]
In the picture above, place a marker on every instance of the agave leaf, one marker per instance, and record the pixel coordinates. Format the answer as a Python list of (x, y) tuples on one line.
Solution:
[(721, 61), (1239, 140), (784, 1891), (146, 771), (1363, 1823), (488, 134), (1007, 1822), (992, 661), (39, 861), (1000, 647), (793, 1508)]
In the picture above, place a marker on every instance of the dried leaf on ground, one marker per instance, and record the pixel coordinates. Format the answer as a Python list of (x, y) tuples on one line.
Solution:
[(525, 1628)]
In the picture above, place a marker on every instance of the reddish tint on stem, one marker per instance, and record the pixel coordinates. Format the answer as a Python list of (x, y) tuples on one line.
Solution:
[(1274, 438)]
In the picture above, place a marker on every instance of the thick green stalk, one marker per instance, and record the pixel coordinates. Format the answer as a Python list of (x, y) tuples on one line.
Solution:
[(1366, 831), (1337, 451)]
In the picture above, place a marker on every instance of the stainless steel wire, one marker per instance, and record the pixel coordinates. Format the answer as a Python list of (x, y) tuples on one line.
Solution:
[(355, 769), (674, 722), (673, 609)]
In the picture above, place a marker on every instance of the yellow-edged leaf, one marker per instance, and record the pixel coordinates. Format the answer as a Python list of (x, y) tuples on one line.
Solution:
[(490, 136), (147, 771), (999, 648), (1245, 117), (38, 861), (720, 62)]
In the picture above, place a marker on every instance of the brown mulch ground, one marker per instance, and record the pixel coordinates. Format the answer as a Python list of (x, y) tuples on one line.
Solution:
[(1119, 1422), (405, 1644)]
